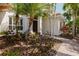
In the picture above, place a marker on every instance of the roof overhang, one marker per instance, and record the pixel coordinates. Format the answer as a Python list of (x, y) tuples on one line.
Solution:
[(4, 6)]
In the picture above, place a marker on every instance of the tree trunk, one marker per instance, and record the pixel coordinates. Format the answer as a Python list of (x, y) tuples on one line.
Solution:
[(74, 25), (17, 19), (30, 24)]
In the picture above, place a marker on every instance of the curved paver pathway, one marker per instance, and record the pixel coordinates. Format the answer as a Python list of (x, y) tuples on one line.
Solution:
[(68, 48)]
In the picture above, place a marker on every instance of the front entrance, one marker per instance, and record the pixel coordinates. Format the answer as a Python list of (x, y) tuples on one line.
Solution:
[(35, 26)]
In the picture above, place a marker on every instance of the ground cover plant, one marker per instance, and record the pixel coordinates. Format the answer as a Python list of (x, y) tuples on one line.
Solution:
[(32, 45)]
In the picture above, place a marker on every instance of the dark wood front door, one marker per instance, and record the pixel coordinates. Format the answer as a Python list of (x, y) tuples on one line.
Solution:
[(35, 26)]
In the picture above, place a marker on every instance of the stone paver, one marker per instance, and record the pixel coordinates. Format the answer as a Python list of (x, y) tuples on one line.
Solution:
[(68, 48)]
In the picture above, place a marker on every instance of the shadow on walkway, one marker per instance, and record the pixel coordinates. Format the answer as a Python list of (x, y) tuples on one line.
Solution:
[(68, 47), (62, 54)]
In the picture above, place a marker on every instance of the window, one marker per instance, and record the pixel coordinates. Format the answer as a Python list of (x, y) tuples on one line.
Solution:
[(20, 27), (10, 27), (21, 24), (12, 24), (10, 20)]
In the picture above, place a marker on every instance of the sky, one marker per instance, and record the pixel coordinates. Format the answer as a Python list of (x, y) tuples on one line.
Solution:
[(59, 7)]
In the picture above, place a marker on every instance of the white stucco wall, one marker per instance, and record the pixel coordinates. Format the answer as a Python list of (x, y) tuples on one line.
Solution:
[(4, 21), (44, 25), (55, 27), (52, 26), (25, 23)]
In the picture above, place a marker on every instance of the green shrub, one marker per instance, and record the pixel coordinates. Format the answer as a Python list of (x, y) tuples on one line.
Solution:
[(11, 53), (10, 39), (4, 33)]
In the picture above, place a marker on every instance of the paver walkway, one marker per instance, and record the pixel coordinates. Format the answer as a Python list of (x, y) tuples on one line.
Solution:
[(68, 48)]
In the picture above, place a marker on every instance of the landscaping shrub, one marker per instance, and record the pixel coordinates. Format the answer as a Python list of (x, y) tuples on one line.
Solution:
[(4, 33), (11, 39), (34, 45), (11, 53), (43, 44)]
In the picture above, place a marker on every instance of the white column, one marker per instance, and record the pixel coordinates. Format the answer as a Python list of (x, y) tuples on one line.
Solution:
[(40, 25)]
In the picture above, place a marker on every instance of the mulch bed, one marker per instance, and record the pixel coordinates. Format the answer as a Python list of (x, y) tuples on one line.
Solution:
[(29, 47)]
